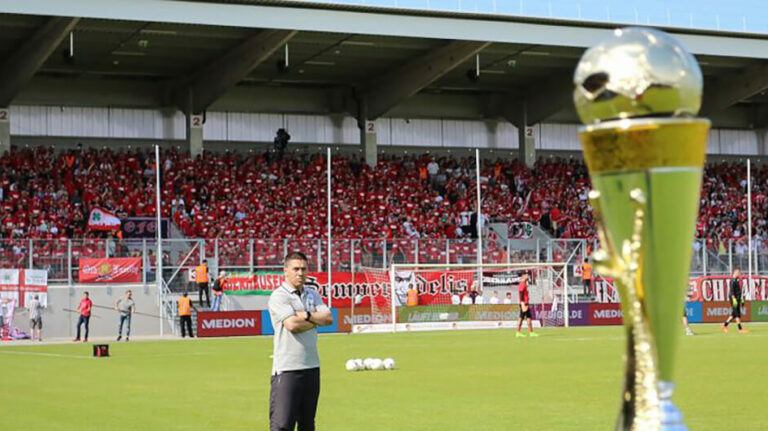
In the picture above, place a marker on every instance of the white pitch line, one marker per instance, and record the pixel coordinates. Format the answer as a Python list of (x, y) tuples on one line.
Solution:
[(57, 355), (583, 338), (60, 355), (164, 355)]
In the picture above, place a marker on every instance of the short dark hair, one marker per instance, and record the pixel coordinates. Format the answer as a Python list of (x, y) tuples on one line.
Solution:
[(295, 255), (205, 260), (86, 292)]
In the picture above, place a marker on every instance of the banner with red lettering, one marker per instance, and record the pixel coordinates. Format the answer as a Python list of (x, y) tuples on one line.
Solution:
[(113, 270), (434, 287), (372, 288), (700, 289), (715, 288), (228, 323)]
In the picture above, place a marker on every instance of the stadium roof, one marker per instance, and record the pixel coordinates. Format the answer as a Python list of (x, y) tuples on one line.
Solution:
[(162, 45)]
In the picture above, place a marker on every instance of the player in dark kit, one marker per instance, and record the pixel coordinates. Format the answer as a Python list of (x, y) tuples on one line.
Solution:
[(525, 308), (736, 301)]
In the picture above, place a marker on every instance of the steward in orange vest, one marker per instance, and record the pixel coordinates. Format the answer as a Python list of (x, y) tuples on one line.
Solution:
[(201, 272), (185, 316), (586, 277), (185, 306), (201, 278)]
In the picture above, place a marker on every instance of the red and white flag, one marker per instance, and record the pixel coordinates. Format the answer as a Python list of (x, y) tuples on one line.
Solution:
[(103, 220)]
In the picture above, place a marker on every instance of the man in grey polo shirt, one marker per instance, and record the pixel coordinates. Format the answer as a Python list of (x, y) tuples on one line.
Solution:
[(36, 317), (126, 307), (296, 311)]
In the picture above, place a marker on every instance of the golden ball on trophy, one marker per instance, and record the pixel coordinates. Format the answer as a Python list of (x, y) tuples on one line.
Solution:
[(637, 72)]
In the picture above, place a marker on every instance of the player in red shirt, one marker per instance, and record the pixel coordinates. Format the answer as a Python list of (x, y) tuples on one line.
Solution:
[(525, 308), (84, 308)]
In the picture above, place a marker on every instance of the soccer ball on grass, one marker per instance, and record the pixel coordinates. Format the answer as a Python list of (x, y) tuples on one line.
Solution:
[(389, 364)]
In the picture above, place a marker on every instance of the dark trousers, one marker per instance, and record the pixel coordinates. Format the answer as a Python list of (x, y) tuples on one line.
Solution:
[(203, 288), (124, 318), (587, 286), (83, 320), (186, 320), (293, 399)]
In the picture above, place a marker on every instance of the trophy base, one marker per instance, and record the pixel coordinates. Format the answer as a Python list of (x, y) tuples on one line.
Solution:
[(671, 418)]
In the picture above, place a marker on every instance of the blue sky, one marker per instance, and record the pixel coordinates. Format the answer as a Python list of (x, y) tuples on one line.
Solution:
[(731, 15)]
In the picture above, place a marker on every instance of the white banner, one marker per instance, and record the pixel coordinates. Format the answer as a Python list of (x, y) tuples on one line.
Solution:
[(9, 277), (100, 219), (35, 277)]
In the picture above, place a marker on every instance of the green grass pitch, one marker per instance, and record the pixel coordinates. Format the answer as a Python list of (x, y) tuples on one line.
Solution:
[(567, 379)]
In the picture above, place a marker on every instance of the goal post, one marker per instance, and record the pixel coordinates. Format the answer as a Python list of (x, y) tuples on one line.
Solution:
[(415, 297)]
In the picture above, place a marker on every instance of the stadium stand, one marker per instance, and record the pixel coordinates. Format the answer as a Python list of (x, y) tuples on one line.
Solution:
[(48, 195), (234, 195)]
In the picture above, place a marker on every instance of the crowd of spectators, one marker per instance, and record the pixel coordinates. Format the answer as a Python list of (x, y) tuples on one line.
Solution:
[(237, 195), (48, 195), (722, 221)]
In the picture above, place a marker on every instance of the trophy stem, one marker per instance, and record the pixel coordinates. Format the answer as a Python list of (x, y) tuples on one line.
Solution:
[(640, 401)]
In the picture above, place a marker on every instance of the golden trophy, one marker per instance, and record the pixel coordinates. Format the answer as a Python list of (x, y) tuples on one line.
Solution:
[(638, 93)]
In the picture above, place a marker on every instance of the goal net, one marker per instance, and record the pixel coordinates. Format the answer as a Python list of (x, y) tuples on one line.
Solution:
[(460, 296)]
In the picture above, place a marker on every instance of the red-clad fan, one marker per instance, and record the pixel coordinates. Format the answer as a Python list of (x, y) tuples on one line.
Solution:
[(243, 195)]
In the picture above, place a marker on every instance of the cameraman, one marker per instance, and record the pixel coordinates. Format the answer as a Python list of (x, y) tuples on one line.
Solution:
[(281, 142)]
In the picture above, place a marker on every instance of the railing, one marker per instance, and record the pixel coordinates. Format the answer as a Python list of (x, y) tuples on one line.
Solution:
[(61, 257), (723, 257), (741, 17), (169, 309)]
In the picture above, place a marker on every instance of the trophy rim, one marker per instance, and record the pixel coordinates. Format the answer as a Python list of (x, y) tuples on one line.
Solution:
[(625, 123)]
